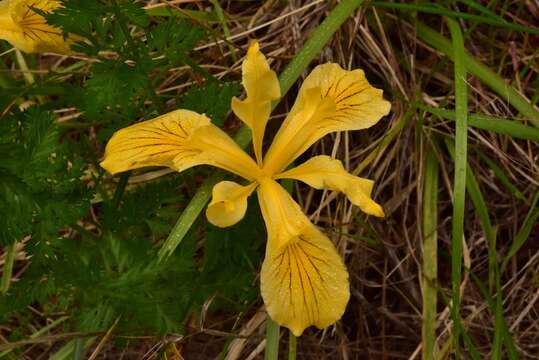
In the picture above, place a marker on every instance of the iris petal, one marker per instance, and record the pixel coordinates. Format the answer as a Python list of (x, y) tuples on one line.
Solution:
[(179, 140), (323, 172), (229, 203), (303, 279), (28, 31), (262, 87), (330, 99)]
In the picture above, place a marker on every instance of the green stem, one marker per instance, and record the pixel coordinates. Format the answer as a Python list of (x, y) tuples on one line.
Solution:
[(459, 190), (120, 189), (292, 346), (272, 340), (489, 77), (28, 76), (288, 77)]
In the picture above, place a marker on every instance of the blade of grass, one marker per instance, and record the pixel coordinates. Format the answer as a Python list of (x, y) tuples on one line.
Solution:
[(500, 174), (272, 340), (459, 185), (474, 191), (462, 325), (430, 255), (40, 332), (498, 309), (103, 341), (288, 77), (524, 232), (438, 10), (489, 77), (485, 10), (512, 353), (491, 123)]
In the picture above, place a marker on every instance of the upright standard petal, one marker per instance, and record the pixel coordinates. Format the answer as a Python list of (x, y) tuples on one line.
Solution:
[(229, 203), (180, 139), (303, 279), (262, 87), (323, 172), (28, 31), (330, 99)]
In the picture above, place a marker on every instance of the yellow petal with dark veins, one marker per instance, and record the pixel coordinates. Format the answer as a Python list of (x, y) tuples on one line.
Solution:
[(229, 203), (262, 87), (28, 31), (179, 140), (303, 279), (330, 99), (323, 172)]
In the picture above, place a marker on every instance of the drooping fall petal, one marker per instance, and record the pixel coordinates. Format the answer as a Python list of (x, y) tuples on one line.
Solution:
[(323, 172), (303, 279), (229, 203), (28, 31), (330, 99), (179, 140), (262, 87)]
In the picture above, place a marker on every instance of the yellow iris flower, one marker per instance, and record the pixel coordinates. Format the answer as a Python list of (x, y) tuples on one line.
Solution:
[(28, 31), (303, 279)]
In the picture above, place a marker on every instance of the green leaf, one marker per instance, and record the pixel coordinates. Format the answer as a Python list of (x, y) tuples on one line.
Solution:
[(212, 99), (113, 88), (174, 39), (17, 210)]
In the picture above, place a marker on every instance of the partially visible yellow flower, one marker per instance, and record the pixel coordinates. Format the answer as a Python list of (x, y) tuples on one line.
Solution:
[(27, 30), (303, 279)]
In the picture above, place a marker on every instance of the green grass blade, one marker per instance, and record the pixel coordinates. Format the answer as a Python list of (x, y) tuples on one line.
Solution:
[(430, 255), (500, 174), (474, 191), (486, 11), (489, 77), (491, 123), (272, 340), (438, 10), (524, 232), (291, 73), (459, 185), (292, 346), (498, 314), (512, 353)]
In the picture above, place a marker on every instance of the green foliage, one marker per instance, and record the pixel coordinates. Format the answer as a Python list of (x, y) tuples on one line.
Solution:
[(212, 99), (39, 176), (228, 266), (93, 246)]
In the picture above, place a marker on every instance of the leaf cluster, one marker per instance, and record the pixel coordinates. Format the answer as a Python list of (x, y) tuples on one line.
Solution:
[(93, 242), (40, 187)]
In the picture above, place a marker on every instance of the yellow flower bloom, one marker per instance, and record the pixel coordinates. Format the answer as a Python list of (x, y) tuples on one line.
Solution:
[(27, 30), (303, 279)]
